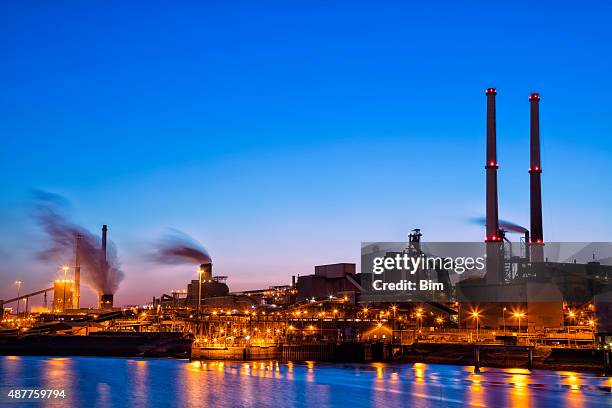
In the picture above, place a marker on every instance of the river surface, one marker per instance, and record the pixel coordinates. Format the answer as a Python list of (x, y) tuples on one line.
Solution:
[(125, 382)]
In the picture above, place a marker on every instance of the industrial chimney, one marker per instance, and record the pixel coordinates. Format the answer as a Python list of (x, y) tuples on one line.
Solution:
[(77, 271), (493, 236), (535, 184), (104, 229), (206, 271), (105, 300)]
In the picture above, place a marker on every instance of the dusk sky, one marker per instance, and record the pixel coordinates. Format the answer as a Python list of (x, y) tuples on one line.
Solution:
[(281, 136)]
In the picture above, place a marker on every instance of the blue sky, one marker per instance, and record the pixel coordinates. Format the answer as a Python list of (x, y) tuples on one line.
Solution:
[(282, 135)]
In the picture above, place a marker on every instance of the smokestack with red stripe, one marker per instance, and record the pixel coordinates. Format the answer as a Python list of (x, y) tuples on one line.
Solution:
[(491, 168), (493, 236), (535, 170)]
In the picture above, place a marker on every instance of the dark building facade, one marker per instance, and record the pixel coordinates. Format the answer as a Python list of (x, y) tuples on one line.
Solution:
[(328, 280)]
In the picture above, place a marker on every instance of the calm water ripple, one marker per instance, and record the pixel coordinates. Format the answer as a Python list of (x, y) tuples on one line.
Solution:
[(117, 382)]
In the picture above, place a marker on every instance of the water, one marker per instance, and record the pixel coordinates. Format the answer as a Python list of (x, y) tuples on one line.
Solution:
[(119, 382)]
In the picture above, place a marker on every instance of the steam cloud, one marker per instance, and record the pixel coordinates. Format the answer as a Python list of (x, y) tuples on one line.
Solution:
[(508, 226), (102, 276), (176, 247)]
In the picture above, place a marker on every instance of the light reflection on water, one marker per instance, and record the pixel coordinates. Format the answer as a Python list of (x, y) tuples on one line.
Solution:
[(116, 382)]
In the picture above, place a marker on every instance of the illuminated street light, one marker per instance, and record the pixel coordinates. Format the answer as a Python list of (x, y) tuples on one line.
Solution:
[(572, 315), (476, 315), (519, 316)]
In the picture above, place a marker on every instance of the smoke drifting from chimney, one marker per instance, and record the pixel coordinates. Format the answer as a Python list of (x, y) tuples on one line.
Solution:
[(505, 225), (102, 275), (176, 247)]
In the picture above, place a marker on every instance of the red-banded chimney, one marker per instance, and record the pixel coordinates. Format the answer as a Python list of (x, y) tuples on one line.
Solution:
[(535, 184), (492, 219), (493, 236)]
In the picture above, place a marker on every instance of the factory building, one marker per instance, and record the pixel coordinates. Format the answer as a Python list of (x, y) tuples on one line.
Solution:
[(603, 307), (206, 286), (329, 280), (105, 301), (63, 293), (206, 291), (531, 305)]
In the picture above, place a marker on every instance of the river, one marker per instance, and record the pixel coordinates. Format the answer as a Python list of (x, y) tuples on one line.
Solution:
[(126, 382)]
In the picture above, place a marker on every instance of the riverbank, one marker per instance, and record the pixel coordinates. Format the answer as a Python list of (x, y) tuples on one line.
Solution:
[(111, 344), (103, 344), (543, 358)]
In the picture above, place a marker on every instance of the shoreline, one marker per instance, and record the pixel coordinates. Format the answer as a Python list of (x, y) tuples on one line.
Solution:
[(173, 345)]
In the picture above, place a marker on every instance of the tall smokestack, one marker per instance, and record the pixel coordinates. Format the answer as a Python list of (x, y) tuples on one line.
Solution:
[(104, 299), (493, 236), (535, 184), (77, 271), (491, 169), (206, 269), (104, 229)]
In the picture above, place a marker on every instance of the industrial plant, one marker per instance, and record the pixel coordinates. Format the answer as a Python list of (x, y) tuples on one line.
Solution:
[(527, 309)]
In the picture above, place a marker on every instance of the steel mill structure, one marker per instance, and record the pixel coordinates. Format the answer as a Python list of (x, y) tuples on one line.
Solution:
[(522, 302)]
